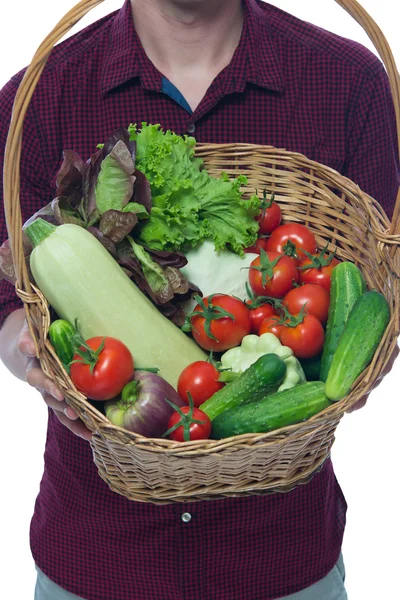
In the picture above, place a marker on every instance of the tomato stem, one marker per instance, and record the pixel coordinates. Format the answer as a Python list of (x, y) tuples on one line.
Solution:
[(290, 320), (209, 313), (185, 421), (266, 267), (256, 301), (88, 355), (266, 203), (213, 361), (318, 260), (289, 249), (218, 366)]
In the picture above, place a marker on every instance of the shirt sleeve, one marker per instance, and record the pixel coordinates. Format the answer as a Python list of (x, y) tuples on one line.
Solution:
[(372, 153), (34, 189)]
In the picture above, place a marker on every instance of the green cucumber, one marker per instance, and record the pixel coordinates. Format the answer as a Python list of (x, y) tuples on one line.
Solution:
[(272, 412), (62, 334), (347, 285), (265, 375), (361, 336)]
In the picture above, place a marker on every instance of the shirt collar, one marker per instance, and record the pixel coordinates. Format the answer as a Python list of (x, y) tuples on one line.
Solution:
[(262, 67), (255, 60), (125, 58)]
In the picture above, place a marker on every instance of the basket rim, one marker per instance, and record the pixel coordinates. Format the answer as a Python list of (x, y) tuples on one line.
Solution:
[(332, 176), (211, 446)]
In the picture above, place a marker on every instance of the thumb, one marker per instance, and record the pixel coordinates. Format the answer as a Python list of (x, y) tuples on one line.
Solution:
[(25, 342)]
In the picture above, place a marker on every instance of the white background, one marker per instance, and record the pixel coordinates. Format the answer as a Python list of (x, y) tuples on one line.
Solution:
[(365, 453)]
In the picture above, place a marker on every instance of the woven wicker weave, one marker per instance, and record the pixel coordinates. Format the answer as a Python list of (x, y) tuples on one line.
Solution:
[(337, 211)]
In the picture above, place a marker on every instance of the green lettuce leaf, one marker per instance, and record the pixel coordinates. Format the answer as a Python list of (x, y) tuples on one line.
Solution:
[(188, 205), (114, 186), (136, 208), (230, 219)]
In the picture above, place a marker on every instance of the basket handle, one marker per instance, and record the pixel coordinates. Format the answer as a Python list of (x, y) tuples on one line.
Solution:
[(32, 75), (381, 44)]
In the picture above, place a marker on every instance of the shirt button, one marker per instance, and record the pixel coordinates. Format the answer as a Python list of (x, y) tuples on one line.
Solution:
[(186, 517), (191, 128)]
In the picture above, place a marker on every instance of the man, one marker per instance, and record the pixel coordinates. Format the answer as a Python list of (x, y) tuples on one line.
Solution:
[(223, 71)]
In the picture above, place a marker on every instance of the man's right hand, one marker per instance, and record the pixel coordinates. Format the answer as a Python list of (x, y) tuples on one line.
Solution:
[(18, 355)]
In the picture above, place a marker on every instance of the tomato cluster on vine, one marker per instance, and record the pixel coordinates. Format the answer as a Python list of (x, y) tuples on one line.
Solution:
[(297, 278), (288, 292)]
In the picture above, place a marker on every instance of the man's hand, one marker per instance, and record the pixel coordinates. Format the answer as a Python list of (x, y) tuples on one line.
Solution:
[(385, 372), (51, 394)]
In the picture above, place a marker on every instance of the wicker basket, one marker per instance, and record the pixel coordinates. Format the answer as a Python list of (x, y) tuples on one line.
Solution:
[(337, 211)]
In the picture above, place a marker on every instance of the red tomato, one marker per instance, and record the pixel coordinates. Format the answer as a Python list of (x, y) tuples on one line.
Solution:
[(271, 325), (260, 243), (113, 368), (321, 275), (200, 379), (259, 314), (272, 274), (193, 425), (314, 297), (222, 322), (291, 239), (270, 216), (306, 339)]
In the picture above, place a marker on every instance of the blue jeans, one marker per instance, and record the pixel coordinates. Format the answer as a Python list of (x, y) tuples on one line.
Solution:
[(330, 587)]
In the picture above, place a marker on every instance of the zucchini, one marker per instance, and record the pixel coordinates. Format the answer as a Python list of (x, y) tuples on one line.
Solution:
[(81, 280), (262, 376), (361, 336), (347, 285), (62, 335), (272, 412)]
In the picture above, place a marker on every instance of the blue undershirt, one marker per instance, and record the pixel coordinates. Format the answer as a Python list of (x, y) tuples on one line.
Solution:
[(173, 92)]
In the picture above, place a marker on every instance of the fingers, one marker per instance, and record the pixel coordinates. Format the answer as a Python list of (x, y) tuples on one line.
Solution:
[(57, 405), (25, 343), (69, 418), (54, 398), (36, 378), (52, 395)]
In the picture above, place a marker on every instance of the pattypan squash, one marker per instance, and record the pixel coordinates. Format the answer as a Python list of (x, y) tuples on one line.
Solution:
[(239, 359)]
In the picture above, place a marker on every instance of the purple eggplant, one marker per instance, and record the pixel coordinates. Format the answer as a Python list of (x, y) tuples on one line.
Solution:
[(141, 407)]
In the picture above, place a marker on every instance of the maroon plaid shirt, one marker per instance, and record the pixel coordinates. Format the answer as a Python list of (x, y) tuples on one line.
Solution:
[(291, 85)]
